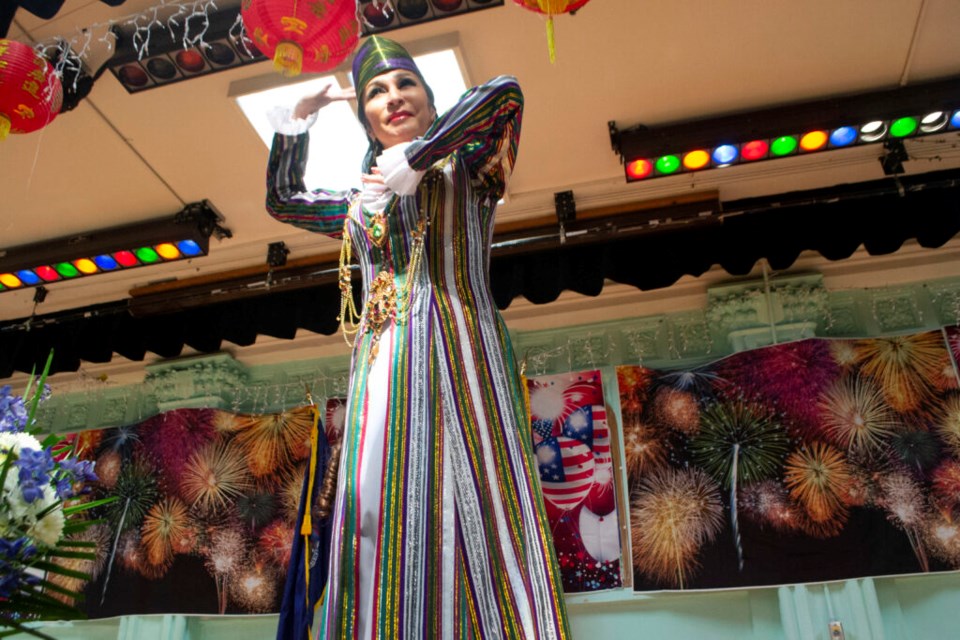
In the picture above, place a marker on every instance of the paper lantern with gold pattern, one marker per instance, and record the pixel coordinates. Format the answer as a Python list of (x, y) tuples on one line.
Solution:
[(30, 92), (302, 35)]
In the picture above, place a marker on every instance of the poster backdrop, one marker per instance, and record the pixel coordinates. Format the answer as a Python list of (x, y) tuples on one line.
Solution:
[(571, 440), (207, 502), (808, 461)]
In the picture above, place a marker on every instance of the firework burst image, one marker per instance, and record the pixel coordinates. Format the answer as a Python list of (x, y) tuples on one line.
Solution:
[(677, 410), (739, 442), (855, 415), (164, 526), (673, 514), (275, 441), (907, 508), (905, 367), (942, 537), (785, 376), (948, 423), (191, 516), (214, 476), (254, 588), (809, 443), (946, 483), (768, 504), (819, 477)]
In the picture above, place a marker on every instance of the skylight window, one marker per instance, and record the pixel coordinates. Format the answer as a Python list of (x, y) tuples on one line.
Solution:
[(337, 141)]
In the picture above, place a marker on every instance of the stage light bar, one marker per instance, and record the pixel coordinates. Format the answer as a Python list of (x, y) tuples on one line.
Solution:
[(185, 236), (386, 15), (167, 61), (894, 115)]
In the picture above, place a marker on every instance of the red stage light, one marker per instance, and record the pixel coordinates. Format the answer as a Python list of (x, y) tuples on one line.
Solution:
[(754, 150), (639, 169)]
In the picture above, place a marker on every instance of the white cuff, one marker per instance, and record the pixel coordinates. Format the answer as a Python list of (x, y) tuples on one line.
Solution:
[(397, 172), (283, 122), (375, 196)]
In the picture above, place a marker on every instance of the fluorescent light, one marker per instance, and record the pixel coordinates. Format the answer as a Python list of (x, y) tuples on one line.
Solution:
[(337, 141)]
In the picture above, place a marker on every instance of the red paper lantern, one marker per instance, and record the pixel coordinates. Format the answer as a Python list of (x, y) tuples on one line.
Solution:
[(551, 8), (534, 5), (30, 92), (302, 35)]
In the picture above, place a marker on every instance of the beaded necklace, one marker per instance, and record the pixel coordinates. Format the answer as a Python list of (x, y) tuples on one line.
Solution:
[(384, 301)]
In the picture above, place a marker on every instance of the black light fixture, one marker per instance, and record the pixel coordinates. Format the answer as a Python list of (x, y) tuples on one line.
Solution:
[(893, 158), (167, 61), (798, 129), (386, 15), (184, 236), (277, 253)]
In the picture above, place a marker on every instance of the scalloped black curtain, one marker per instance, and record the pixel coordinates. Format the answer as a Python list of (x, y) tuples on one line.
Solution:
[(835, 228)]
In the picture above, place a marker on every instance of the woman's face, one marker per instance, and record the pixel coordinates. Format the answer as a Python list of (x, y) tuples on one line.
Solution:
[(397, 107)]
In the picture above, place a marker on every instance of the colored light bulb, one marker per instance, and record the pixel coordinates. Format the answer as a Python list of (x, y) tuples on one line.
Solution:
[(873, 131), (813, 140), (903, 127), (126, 258), (189, 248), (668, 164), (784, 145), (725, 154), (66, 269), (637, 170), (28, 277), (955, 119), (48, 273), (755, 150), (147, 255), (167, 251), (85, 266), (106, 262), (696, 160), (10, 281), (933, 122), (843, 136)]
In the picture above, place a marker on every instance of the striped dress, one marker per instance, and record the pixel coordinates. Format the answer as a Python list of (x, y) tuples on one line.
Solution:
[(439, 525)]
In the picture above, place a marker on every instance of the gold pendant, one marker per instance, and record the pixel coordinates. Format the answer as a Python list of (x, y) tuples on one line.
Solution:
[(377, 229)]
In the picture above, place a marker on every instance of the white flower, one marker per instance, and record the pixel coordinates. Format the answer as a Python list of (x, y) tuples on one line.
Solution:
[(15, 512), (15, 441), (49, 528)]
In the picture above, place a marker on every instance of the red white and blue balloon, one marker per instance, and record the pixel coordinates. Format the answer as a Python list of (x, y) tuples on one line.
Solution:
[(572, 444)]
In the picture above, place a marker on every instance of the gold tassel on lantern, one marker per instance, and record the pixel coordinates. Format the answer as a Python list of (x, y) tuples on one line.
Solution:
[(551, 8)]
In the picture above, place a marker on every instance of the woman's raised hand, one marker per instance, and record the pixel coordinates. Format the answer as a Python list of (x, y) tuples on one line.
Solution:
[(330, 93)]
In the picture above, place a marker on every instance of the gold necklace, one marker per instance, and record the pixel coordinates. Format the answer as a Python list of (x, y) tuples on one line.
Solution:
[(384, 301)]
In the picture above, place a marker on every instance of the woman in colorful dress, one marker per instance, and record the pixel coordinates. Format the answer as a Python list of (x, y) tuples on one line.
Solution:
[(439, 529)]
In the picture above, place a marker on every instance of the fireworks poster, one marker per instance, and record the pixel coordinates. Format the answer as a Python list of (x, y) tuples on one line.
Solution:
[(204, 519), (571, 440), (810, 461)]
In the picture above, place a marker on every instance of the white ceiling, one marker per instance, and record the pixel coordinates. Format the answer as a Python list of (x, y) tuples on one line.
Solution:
[(120, 158)]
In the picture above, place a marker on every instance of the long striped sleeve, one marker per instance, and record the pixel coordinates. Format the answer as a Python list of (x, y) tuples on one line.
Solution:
[(484, 126), (288, 199)]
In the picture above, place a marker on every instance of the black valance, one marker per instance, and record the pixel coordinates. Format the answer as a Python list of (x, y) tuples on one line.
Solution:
[(879, 215)]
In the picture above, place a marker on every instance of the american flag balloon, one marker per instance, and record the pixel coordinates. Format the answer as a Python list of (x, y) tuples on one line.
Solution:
[(566, 471)]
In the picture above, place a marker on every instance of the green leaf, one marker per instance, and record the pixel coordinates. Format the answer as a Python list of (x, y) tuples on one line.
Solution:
[(49, 586), (84, 506), (63, 553), (63, 571), (35, 401), (86, 544)]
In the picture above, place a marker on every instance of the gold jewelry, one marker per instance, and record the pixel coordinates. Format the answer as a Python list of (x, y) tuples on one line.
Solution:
[(377, 229), (384, 301)]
